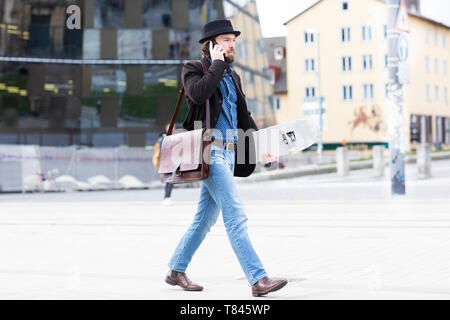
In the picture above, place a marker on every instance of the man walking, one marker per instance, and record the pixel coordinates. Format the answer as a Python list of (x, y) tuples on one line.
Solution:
[(222, 86)]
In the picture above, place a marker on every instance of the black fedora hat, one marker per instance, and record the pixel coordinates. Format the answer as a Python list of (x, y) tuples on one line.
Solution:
[(217, 27)]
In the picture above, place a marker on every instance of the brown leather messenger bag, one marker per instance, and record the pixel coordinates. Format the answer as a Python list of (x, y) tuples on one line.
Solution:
[(185, 156)]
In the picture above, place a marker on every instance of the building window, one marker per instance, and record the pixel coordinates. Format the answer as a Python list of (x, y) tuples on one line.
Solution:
[(309, 37), (270, 75), (386, 60), (274, 103), (347, 93), (366, 33), (309, 65), (345, 35), (444, 40), (385, 31), (436, 38), (446, 95), (436, 66), (136, 44), (428, 89), (91, 44), (345, 6), (249, 78), (427, 64), (444, 66), (436, 93), (260, 47), (367, 62), (346, 64), (368, 92), (109, 14), (241, 48), (200, 11), (427, 35), (254, 106), (310, 93)]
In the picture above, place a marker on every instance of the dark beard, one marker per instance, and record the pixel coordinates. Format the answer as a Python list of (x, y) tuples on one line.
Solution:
[(228, 60)]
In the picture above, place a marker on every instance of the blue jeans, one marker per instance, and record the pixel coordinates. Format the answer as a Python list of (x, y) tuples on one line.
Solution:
[(219, 192)]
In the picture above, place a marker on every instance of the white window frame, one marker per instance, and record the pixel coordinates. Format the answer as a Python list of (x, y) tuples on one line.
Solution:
[(310, 65), (367, 62), (346, 31), (346, 64), (347, 93), (368, 92), (428, 92), (308, 38), (366, 33), (310, 93), (436, 93)]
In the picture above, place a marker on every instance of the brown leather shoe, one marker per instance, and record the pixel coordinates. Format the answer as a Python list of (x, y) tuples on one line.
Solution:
[(175, 278), (266, 285)]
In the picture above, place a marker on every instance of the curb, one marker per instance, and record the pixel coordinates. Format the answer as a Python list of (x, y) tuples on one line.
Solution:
[(331, 168)]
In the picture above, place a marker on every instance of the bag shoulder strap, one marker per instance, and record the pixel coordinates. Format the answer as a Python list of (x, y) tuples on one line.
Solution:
[(177, 108)]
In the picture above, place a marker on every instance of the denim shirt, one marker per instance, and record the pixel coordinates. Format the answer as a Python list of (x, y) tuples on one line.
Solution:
[(228, 116)]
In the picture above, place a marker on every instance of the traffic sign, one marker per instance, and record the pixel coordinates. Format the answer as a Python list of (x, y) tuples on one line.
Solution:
[(402, 19), (402, 48)]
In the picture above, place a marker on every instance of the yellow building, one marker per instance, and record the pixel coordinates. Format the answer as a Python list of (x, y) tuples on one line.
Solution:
[(345, 42), (252, 62)]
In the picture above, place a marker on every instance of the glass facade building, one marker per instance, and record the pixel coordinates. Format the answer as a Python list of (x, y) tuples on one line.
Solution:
[(112, 82)]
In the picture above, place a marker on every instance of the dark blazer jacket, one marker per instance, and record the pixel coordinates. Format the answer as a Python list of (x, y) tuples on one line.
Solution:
[(199, 87)]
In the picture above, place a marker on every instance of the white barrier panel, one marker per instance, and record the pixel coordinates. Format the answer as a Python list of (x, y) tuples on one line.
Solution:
[(33, 168)]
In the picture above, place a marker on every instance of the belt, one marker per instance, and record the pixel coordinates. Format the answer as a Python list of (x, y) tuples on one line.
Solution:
[(229, 146)]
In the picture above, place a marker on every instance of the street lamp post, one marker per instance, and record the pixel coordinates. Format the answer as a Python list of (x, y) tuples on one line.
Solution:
[(397, 140)]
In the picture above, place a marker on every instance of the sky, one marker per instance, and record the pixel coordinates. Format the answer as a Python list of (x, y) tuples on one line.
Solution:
[(273, 13)]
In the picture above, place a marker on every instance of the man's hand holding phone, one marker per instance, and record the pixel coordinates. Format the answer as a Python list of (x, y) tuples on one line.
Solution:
[(216, 51)]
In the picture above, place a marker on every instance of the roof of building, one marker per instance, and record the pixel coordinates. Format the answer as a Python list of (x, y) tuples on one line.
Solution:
[(417, 15)]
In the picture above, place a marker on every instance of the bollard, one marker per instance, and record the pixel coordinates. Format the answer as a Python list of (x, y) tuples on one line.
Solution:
[(342, 161), (378, 161), (424, 161)]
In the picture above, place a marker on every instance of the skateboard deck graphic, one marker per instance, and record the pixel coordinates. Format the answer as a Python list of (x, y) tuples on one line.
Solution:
[(286, 138)]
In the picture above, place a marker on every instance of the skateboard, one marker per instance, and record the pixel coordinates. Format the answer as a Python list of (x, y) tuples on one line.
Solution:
[(286, 138)]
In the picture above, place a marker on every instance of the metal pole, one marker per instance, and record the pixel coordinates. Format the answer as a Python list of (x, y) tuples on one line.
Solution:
[(320, 144), (397, 139)]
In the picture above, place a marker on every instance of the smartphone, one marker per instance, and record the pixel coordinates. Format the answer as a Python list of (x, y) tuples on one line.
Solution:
[(214, 42)]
